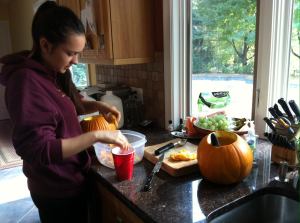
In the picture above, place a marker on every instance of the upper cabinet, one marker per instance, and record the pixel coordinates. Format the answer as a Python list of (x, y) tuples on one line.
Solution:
[(117, 31)]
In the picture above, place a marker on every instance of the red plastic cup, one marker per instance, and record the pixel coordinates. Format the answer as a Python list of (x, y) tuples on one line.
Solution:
[(123, 160)]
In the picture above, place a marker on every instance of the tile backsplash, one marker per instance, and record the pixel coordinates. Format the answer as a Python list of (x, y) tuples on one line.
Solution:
[(149, 77)]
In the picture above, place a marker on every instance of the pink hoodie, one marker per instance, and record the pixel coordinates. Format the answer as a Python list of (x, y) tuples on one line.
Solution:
[(42, 115)]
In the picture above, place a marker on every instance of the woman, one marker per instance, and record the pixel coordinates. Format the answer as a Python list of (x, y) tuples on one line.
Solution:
[(43, 105)]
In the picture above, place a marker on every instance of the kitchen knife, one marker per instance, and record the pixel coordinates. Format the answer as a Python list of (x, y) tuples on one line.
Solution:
[(295, 108), (169, 146), (282, 120), (285, 108), (156, 169), (270, 124), (266, 134), (276, 139), (277, 110), (270, 137), (273, 113)]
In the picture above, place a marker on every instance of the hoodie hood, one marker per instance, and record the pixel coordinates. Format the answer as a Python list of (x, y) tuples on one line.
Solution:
[(13, 62)]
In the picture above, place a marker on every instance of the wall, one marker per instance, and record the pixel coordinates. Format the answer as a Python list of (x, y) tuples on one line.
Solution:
[(20, 18), (149, 77)]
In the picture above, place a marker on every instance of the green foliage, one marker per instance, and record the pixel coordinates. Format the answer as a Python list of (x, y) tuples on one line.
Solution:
[(223, 35), (296, 19), (79, 75), (296, 29)]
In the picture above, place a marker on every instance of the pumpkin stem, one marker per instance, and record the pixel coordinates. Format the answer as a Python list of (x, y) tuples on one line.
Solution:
[(214, 140)]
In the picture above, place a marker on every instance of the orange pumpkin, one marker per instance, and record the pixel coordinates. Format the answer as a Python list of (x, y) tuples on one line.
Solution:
[(228, 163), (98, 122)]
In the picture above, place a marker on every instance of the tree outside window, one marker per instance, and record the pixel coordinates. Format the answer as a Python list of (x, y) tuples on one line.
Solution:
[(80, 75)]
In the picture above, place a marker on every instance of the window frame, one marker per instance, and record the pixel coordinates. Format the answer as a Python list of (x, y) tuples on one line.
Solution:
[(273, 58), (175, 63)]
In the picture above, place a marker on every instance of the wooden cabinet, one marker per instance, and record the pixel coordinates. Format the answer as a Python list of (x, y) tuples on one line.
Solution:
[(112, 209), (117, 31)]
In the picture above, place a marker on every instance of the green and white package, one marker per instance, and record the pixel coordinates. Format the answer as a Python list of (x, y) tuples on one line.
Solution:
[(213, 100)]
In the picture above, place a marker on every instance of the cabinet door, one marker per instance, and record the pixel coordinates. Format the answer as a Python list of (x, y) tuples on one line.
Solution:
[(87, 12), (101, 52), (113, 210), (132, 29), (121, 31), (95, 16)]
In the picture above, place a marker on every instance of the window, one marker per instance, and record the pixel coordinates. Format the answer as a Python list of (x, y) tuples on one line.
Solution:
[(223, 49), (80, 75), (273, 72), (294, 66)]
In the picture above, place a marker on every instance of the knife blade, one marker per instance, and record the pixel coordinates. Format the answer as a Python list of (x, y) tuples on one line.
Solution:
[(155, 170), (285, 108), (295, 108)]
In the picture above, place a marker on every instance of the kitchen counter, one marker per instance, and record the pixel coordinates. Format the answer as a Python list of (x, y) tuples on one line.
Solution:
[(175, 199)]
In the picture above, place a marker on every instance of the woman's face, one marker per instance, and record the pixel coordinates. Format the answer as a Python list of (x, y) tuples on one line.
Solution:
[(61, 57)]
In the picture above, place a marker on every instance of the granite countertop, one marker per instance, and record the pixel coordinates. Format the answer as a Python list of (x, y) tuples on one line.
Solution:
[(176, 199)]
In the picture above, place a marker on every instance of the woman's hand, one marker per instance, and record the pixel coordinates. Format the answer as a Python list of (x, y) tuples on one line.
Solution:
[(105, 109), (74, 145), (112, 137), (112, 114)]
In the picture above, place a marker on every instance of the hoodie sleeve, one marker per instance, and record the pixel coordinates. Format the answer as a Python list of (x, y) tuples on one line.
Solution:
[(35, 120)]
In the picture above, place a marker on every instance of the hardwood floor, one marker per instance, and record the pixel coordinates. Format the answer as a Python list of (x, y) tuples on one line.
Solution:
[(15, 201)]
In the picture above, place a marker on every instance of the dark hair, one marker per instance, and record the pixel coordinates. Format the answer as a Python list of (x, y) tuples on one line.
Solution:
[(56, 23)]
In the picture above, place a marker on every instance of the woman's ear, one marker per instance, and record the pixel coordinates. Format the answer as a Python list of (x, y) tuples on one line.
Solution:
[(46, 47)]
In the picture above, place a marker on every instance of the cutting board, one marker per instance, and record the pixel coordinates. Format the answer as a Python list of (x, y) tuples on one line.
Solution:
[(174, 168)]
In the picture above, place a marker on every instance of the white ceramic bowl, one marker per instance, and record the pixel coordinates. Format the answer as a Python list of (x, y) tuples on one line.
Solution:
[(137, 141)]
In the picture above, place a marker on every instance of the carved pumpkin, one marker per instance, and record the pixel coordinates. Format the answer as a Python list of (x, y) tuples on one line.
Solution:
[(98, 122), (228, 163)]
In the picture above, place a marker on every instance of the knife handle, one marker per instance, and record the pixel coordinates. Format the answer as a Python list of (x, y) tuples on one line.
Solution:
[(295, 108), (277, 110), (273, 112), (149, 179), (164, 149), (270, 124), (285, 107)]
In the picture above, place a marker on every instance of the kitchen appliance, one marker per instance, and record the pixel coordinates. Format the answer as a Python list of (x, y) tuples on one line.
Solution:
[(132, 105)]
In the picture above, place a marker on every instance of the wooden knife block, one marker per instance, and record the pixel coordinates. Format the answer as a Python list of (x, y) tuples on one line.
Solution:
[(283, 154)]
